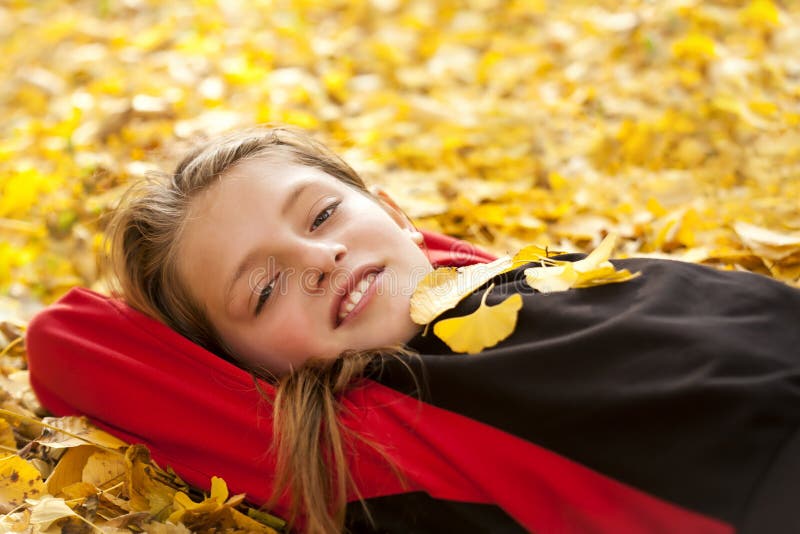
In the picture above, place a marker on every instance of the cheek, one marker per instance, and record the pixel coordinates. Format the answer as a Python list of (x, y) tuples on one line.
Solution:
[(276, 339)]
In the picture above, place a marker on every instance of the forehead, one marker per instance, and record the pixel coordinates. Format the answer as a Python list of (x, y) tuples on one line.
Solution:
[(261, 182), (271, 175), (240, 208)]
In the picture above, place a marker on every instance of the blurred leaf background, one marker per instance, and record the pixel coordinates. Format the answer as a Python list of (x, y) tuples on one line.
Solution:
[(674, 123), (503, 122)]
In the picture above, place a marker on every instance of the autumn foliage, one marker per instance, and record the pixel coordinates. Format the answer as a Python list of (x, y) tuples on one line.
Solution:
[(673, 124)]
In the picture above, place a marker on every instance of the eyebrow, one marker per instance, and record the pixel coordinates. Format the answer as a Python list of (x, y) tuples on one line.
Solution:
[(244, 265)]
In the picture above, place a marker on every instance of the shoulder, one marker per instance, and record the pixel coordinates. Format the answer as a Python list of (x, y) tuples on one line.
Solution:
[(686, 292)]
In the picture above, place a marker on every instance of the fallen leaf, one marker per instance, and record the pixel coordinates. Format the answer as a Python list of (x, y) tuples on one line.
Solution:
[(47, 510), (149, 488), (593, 270), (182, 503), (485, 327), (72, 431), (69, 469), (104, 469), (551, 279), (165, 528), (7, 442), (533, 253), (16, 521), (19, 480), (769, 244), (77, 491), (443, 288)]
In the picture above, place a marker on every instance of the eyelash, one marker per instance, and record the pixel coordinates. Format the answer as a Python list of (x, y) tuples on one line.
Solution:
[(327, 213), (264, 294), (323, 216)]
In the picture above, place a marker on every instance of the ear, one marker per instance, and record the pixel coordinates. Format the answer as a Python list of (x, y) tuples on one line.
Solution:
[(399, 216)]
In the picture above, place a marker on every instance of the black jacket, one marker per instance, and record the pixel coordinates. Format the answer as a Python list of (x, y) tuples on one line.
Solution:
[(683, 383)]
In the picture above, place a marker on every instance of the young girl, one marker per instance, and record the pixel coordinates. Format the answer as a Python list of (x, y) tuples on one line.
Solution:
[(668, 403)]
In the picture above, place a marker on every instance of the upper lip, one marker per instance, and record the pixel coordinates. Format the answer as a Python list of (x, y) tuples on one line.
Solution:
[(342, 291)]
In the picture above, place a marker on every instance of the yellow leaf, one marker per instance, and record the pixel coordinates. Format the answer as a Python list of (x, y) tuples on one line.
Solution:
[(593, 270), (76, 431), (104, 469), (19, 480), (248, 524), (219, 490), (165, 528), (760, 13), (694, 46), (181, 502), (78, 491), (769, 244), (7, 441), (551, 279), (445, 287), (598, 256), (147, 484), (603, 277), (48, 510), (485, 327), (16, 522), (533, 253), (69, 468)]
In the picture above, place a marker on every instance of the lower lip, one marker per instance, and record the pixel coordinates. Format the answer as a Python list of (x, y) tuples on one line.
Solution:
[(364, 300)]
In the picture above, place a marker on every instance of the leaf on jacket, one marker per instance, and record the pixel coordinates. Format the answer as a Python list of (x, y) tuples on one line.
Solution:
[(445, 287), (593, 270), (485, 327)]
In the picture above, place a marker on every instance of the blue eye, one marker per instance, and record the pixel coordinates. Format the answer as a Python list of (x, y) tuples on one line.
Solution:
[(264, 294), (324, 215)]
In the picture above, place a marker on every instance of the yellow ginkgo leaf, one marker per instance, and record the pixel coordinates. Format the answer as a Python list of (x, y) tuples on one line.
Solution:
[(485, 327), (552, 279), (445, 287), (598, 278), (593, 270), (532, 253), (599, 256)]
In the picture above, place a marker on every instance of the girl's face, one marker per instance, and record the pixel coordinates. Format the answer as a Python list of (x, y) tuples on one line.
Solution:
[(290, 263)]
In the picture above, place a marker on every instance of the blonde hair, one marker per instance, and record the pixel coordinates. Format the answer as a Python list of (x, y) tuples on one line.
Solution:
[(145, 233)]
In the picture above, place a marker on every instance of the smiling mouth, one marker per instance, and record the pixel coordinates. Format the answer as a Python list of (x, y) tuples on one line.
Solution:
[(356, 298)]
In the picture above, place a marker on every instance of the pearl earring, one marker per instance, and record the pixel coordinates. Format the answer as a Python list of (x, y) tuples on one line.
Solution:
[(417, 237)]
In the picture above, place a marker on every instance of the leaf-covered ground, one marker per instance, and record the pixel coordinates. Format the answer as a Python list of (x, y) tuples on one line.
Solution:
[(674, 123)]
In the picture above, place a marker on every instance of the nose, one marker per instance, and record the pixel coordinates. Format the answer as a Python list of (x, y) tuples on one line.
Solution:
[(319, 260)]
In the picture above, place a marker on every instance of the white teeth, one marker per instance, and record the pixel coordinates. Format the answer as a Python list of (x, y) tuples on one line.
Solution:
[(356, 295)]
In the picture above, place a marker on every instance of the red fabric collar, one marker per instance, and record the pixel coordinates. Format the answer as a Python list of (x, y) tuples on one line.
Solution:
[(134, 377), (445, 251)]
